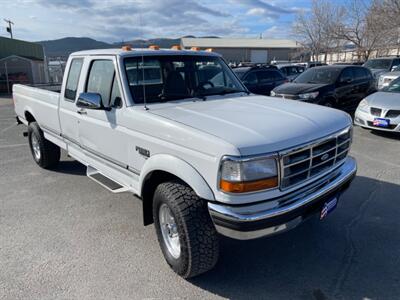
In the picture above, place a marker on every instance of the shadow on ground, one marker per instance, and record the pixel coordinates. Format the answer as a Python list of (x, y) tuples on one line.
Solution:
[(353, 254), (72, 167), (386, 134)]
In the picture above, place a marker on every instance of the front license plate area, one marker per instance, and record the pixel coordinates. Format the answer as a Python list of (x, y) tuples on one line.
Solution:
[(378, 122), (328, 207)]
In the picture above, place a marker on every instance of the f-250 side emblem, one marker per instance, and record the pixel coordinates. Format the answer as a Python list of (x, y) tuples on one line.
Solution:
[(143, 151)]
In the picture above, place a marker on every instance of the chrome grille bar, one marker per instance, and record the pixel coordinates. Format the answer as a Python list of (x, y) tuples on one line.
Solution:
[(302, 163)]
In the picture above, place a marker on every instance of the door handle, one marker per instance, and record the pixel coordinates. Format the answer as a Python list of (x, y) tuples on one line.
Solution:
[(82, 112)]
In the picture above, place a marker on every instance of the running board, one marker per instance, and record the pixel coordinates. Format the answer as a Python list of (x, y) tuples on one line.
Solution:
[(105, 181)]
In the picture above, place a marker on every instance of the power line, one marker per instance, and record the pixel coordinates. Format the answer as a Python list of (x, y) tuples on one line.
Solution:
[(9, 28)]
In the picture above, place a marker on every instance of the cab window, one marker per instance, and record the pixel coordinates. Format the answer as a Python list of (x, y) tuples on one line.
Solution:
[(73, 79), (102, 80)]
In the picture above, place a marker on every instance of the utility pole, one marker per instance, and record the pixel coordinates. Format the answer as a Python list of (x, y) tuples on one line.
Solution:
[(9, 27)]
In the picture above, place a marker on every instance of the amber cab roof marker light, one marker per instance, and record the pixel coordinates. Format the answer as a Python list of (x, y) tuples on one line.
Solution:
[(176, 47), (127, 48), (195, 49), (154, 47), (209, 50)]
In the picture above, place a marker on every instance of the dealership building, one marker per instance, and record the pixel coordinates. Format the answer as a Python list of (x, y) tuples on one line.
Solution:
[(21, 62), (245, 49)]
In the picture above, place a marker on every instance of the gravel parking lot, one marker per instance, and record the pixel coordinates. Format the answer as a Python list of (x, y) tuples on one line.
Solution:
[(62, 236)]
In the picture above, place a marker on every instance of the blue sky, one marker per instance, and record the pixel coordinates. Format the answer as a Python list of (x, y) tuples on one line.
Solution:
[(116, 20)]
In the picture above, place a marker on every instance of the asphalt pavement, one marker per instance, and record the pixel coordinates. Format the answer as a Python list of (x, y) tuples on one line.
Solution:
[(62, 236)]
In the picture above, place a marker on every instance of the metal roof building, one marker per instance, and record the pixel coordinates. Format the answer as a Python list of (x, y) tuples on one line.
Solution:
[(21, 62), (25, 49), (245, 49)]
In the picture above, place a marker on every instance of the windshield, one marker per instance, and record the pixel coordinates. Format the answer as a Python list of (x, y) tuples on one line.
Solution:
[(321, 75), (174, 77), (378, 64), (394, 86)]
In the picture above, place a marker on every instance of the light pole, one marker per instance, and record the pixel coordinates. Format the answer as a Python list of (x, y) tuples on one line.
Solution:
[(9, 27)]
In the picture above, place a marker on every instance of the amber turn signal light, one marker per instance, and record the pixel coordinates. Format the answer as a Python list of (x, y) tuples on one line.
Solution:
[(248, 186)]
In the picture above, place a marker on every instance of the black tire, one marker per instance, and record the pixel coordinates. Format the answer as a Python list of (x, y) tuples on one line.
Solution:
[(49, 153), (199, 241)]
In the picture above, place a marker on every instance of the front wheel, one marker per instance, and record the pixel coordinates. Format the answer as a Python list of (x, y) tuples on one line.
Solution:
[(45, 153), (184, 228)]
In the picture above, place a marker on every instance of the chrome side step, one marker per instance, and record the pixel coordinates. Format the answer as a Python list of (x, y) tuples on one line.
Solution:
[(105, 181)]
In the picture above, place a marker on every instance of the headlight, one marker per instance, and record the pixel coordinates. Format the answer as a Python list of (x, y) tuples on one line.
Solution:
[(308, 95), (363, 105), (248, 175), (272, 94)]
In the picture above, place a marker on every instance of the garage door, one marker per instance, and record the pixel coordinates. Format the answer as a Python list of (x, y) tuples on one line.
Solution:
[(259, 56)]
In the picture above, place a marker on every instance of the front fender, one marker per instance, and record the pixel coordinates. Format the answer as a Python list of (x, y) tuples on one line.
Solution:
[(178, 168)]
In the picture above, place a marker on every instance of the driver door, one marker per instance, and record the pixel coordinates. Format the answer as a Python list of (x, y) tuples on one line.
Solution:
[(100, 131)]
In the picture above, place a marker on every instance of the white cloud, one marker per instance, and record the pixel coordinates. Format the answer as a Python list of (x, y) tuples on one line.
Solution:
[(114, 20), (256, 11)]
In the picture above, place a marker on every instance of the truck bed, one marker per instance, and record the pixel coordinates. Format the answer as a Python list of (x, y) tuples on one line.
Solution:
[(40, 101)]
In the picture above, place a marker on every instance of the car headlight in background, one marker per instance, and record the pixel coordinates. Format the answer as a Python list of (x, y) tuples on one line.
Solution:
[(248, 175), (363, 105), (309, 95)]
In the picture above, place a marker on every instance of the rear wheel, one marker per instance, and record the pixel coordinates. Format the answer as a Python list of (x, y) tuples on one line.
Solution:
[(185, 231), (45, 153)]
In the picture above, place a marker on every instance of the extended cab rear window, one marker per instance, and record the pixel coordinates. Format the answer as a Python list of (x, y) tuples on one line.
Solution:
[(73, 79)]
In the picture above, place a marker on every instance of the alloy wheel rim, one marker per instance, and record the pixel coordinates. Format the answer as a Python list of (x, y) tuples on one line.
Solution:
[(35, 147), (169, 231)]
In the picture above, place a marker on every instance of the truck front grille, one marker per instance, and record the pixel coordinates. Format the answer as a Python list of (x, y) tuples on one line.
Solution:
[(301, 164)]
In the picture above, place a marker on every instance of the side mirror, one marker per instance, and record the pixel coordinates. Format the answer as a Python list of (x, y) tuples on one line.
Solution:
[(395, 68), (90, 101)]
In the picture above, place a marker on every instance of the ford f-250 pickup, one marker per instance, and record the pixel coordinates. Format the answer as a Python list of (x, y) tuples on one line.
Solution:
[(178, 129)]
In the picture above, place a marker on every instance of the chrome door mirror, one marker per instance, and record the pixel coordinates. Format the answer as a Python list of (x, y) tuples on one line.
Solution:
[(90, 101)]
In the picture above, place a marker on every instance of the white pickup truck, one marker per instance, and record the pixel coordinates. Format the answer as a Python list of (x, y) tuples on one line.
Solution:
[(180, 131)]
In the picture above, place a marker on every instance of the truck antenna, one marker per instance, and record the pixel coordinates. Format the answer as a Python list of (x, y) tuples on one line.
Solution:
[(143, 80)]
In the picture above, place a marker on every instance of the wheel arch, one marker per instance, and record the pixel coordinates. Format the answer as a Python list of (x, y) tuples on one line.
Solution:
[(161, 168), (29, 117)]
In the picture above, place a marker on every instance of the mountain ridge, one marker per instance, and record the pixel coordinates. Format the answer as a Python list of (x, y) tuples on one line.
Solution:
[(65, 46)]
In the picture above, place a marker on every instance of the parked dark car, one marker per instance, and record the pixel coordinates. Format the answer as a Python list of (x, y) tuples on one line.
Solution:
[(341, 87), (260, 80)]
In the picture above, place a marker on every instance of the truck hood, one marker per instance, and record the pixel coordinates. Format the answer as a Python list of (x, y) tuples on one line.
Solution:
[(384, 100), (298, 88), (257, 124)]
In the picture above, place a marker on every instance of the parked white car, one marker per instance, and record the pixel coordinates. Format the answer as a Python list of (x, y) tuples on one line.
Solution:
[(381, 110), (179, 130), (386, 78)]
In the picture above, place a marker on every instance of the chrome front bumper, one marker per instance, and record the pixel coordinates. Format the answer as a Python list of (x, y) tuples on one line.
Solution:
[(258, 220)]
